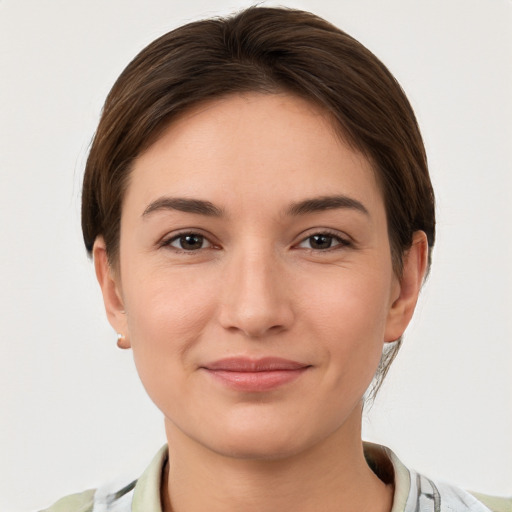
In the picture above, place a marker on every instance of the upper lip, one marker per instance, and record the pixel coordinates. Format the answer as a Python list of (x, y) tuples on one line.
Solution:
[(246, 364)]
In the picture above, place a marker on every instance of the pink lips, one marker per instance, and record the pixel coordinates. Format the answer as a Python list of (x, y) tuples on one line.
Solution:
[(253, 375)]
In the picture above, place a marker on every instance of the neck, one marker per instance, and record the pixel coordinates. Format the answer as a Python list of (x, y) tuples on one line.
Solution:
[(330, 476)]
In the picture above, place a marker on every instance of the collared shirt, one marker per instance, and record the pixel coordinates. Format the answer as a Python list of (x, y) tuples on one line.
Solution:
[(413, 492)]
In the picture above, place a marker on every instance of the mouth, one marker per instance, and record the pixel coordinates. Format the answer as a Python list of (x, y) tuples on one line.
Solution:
[(255, 375)]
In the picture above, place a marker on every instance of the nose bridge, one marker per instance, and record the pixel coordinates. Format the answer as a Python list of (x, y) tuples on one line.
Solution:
[(255, 291)]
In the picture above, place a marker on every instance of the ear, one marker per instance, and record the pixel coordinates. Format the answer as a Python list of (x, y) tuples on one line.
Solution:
[(409, 286), (109, 282)]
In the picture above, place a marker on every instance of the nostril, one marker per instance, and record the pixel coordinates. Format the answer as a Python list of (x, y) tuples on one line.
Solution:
[(253, 298), (255, 323)]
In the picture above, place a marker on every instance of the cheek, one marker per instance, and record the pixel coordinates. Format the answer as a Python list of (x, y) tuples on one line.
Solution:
[(167, 314), (168, 303), (349, 315), (351, 301)]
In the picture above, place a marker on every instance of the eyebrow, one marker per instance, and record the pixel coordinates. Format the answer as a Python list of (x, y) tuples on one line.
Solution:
[(186, 205), (202, 207), (320, 204)]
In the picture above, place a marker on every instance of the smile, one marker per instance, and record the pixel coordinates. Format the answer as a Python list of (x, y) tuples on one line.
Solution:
[(249, 375)]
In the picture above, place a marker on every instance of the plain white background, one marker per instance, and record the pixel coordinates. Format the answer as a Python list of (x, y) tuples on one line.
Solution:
[(73, 413)]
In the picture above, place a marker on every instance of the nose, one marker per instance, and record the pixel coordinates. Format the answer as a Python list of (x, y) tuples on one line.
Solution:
[(256, 297)]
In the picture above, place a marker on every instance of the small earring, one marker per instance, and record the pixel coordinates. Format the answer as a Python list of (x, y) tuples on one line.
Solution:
[(121, 341)]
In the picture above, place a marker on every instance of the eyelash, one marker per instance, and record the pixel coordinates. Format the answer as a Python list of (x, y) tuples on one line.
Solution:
[(341, 242), (169, 242)]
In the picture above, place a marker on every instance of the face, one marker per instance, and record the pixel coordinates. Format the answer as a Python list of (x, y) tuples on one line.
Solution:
[(255, 283)]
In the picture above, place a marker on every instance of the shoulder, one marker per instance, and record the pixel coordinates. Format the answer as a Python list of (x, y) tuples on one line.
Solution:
[(494, 503), (438, 495), (107, 498), (81, 502), (414, 491), (141, 495)]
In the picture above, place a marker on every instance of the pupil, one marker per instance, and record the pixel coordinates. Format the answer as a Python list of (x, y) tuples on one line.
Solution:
[(191, 241), (321, 241)]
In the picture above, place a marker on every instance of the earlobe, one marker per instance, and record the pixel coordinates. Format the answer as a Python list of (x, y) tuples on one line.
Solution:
[(110, 288), (413, 274), (122, 341)]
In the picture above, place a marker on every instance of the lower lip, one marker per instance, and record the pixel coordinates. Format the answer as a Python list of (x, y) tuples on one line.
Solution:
[(256, 381)]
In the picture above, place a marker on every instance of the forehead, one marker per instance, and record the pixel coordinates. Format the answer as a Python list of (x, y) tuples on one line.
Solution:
[(251, 146)]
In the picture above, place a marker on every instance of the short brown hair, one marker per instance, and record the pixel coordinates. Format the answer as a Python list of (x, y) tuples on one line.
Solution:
[(266, 50)]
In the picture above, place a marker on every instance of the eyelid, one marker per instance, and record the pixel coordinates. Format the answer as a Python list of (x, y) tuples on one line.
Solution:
[(168, 239), (342, 239)]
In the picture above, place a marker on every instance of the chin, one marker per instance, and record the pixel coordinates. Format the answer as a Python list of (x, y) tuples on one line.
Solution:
[(264, 438), (258, 447)]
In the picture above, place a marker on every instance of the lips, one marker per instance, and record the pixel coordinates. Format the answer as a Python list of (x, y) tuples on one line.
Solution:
[(255, 375)]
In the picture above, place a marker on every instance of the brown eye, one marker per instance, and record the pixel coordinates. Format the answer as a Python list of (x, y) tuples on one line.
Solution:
[(322, 241), (189, 242)]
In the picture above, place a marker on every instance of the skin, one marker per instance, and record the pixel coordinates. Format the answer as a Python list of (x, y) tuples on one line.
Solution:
[(258, 284)]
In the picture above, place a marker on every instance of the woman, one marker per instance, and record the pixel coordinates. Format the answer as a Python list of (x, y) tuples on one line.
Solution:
[(259, 210)]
